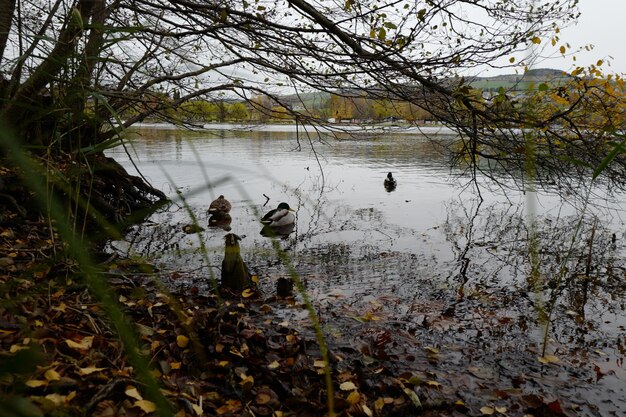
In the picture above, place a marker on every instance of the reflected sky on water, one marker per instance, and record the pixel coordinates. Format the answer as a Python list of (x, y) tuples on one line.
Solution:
[(336, 187)]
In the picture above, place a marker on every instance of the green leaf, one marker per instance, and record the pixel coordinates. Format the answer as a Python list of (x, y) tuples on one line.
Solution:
[(543, 87), (382, 34)]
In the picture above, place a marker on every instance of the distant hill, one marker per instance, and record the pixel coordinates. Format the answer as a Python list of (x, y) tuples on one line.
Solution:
[(514, 82), (314, 100), (519, 81)]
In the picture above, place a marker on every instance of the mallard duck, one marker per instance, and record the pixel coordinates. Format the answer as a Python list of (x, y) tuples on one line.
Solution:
[(280, 216), (219, 207), (235, 274), (390, 182)]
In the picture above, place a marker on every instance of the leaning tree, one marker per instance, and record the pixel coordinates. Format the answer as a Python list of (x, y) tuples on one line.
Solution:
[(75, 73)]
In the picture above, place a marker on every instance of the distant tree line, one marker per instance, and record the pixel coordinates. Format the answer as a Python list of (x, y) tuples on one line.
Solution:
[(265, 109)]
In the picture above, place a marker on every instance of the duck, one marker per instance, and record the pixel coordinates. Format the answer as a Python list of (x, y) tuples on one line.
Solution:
[(280, 216), (235, 274), (390, 182), (220, 207)]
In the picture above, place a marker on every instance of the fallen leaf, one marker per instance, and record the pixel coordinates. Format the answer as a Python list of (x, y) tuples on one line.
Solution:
[(354, 397), (247, 293), (34, 383), (144, 330), (182, 341), (52, 375), (319, 363), (84, 344), (413, 397), (379, 404), (555, 407), (175, 365), (133, 393), (57, 399), (274, 365), (247, 383), (106, 408), (146, 406), (61, 307), (487, 411), (16, 348), (347, 386), (231, 406), (197, 409), (89, 370), (549, 359)]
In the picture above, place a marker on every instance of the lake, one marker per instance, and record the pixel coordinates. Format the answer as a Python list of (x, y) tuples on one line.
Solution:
[(428, 258)]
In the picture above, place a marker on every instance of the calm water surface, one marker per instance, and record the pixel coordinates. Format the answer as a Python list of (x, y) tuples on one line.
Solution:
[(407, 255), (336, 188)]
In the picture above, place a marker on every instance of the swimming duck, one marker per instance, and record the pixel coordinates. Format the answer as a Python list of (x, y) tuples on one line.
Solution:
[(219, 207), (390, 182), (280, 216)]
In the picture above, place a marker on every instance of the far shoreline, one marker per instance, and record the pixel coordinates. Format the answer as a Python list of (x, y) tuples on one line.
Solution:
[(282, 127)]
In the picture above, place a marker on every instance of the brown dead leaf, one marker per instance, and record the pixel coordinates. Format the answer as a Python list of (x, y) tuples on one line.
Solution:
[(84, 344), (145, 405), (89, 370), (247, 382), (105, 408), (231, 406), (61, 307), (487, 410)]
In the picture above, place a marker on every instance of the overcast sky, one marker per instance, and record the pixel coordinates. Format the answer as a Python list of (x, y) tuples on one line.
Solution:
[(602, 23)]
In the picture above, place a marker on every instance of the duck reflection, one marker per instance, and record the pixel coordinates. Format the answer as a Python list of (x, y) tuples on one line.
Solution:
[(221, 221), (278, 231)]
